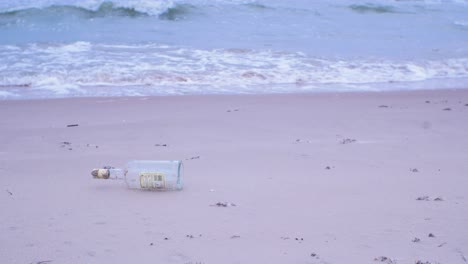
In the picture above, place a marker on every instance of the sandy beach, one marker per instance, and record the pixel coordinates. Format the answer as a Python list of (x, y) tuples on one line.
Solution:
[(309, 178)]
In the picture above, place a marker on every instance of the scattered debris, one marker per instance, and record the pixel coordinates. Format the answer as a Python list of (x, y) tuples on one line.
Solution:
[(438, 199), (189, 236), (416, 240), (107, 167), (284, 238), (299, 239), (443, 244), (422, 198), (235, 236), (234, 110), (421, 262), (72, 125), (313, 255), (431, 235), (8, 191), (43, 262), (192, 158), (447, 109), (302, 141), (462, 256), (384, 260), (347, 141), (92, 145), (220, 204), (160, 145), (414, 170), (65, 143), (383, 106)]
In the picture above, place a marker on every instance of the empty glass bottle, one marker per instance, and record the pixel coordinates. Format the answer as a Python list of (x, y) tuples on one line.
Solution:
[(159, 175)]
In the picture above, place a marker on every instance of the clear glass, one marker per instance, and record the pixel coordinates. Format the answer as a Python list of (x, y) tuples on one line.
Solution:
[(154, 175)]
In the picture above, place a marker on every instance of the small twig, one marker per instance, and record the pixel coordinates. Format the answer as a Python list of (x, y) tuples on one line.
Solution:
[(8, 191), (72, 125)]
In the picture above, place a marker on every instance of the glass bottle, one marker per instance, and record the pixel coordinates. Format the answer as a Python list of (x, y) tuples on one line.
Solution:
[(156, 175)]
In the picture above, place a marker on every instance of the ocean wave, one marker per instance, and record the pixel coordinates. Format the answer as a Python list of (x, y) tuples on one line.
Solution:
[(91, 8), (77, 67), (167, 9), (374, 8)]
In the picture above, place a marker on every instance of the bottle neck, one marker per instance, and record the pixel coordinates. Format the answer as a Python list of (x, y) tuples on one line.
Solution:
[(105, 174), (117, 174)]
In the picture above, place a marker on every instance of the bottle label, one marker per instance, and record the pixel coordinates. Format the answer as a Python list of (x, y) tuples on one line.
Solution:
[(152, 180)]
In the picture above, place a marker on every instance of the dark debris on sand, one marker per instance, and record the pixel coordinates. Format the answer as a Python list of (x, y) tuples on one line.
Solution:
[(422, 198), (384, 259), (223, 204), (347, 141)]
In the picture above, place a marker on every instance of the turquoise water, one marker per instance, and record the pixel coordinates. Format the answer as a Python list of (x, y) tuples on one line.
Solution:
[(67, 48)]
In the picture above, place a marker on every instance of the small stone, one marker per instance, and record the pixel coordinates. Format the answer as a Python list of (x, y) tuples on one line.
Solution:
[(166, 238), (431, 235), (438, 199), (383, 106), (428, 102), (313, 254), (414, 170), (328, 168), (416, 240), (151, 244), (447, 109)]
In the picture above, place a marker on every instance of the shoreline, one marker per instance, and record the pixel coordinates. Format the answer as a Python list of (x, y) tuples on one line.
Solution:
[(288, 94), (315, 178)]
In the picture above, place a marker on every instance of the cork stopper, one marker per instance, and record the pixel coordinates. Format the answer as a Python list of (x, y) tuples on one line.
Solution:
[(101, 173)]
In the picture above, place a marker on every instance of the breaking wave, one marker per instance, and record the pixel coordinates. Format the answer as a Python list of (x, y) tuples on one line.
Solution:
[(81, 66), (99, 9)]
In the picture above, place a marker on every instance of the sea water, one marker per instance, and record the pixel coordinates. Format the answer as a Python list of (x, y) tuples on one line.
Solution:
[(68, 48)]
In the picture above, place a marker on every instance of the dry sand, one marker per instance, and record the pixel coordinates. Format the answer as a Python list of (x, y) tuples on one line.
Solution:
[(316, 178)]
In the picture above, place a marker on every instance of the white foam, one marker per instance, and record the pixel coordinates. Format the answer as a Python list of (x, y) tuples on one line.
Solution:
[(78, 68)]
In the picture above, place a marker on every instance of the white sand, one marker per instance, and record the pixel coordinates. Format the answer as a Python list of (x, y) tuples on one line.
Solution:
[(266, 154)]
